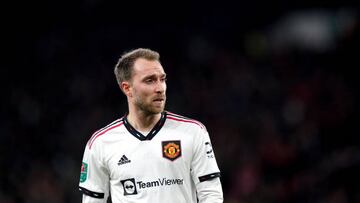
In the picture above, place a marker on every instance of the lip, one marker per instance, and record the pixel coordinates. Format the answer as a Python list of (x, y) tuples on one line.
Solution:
[(158, 100)]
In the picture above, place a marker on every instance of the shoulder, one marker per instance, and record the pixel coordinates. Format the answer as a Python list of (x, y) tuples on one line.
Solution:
[(179, 119), (102, 132)]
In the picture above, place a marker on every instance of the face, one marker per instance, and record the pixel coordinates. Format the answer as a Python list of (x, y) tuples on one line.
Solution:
[(147, 89)]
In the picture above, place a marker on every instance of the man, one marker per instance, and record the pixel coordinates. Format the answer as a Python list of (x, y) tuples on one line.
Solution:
[(149, 155)]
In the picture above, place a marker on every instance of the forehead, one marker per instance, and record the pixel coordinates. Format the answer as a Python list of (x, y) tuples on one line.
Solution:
[(144, 67)]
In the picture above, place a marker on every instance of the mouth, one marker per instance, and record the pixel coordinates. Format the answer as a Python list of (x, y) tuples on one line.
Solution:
[(158, 100)]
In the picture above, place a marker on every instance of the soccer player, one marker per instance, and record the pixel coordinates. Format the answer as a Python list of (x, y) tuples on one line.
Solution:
[(149, 155)]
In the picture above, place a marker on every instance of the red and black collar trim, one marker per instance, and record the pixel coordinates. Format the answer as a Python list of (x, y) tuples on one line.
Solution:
[(151, 134)]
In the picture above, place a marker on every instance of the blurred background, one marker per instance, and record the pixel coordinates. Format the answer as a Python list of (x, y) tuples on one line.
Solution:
[(274, 82)]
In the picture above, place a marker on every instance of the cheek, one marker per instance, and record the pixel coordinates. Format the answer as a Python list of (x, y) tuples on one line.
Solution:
[(142, 91)]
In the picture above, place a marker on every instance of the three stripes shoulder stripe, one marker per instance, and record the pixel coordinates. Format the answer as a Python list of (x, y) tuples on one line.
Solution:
[(114, 122), (180, 118), (103, 130)]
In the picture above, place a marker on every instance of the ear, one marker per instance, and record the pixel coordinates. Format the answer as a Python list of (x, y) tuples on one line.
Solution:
[(126, 88)]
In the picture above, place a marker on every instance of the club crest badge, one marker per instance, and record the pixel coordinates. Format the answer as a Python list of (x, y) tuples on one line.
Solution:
[(171, 149)]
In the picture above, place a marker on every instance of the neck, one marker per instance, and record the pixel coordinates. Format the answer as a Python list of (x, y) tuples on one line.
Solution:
[(142, 121)]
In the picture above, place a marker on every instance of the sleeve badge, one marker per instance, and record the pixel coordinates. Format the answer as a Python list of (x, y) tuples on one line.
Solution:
[(83, 173)]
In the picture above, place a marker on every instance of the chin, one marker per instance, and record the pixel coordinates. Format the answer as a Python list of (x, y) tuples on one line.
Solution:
[(158, 110), (153, 111)]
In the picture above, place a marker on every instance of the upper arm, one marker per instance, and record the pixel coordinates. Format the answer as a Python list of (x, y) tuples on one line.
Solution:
[(94, 176), (204, 170), (203, 165)]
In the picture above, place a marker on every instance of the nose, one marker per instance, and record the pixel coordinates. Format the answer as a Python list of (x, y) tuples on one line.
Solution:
[(160, 86)]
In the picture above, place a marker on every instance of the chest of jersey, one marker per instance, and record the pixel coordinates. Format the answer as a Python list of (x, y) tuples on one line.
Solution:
[(164, 166), (165, 159)]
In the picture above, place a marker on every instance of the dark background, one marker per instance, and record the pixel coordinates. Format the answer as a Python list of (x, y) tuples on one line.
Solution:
[(274, 82)]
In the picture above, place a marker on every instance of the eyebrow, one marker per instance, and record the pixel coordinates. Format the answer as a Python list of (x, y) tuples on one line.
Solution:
[(154, 76)]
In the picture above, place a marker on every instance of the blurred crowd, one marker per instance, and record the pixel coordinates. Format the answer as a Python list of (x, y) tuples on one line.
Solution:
[(282, 117)]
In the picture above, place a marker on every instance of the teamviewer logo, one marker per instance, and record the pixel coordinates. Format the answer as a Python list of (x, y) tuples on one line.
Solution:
[(129, 186)]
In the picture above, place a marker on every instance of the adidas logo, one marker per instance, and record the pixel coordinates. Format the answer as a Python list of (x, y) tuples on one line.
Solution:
[(123, 160)]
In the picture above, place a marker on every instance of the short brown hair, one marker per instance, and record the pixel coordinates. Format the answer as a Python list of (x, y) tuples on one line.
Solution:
[(124, 68)]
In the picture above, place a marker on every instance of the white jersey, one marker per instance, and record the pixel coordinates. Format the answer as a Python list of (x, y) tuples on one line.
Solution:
[(170, 164)]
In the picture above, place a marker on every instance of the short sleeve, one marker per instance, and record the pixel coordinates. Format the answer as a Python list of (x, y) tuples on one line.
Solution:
[(94, 177), (203, 166)]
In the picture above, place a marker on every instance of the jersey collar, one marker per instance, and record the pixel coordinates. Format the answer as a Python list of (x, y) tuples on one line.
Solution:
[(151, 134)]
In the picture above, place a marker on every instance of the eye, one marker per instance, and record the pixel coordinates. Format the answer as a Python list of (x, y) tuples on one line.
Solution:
[(149, 80)]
